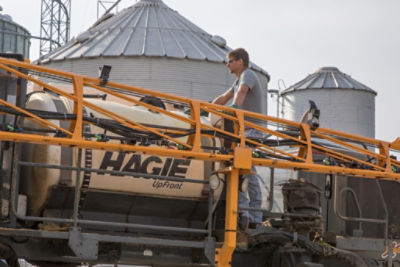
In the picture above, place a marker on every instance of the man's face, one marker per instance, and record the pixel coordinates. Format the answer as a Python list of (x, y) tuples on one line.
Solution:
[(233, 64)]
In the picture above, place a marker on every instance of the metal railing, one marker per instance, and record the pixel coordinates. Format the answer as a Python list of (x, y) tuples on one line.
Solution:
[(270, 150), (360, 219)]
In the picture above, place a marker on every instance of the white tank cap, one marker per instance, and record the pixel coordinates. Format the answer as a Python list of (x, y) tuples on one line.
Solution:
[(218, 40), (83, 36), (328, 69), (6, 17)]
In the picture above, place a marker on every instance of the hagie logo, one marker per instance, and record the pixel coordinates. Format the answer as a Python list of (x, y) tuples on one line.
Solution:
[(149, 165)]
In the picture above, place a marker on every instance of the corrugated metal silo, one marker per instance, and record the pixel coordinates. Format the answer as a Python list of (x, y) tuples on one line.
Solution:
[(346, 104), (13, 37), (150, 45), (349, 106)]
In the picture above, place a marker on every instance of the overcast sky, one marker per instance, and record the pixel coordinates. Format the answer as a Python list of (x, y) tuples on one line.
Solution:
[(288, 38)]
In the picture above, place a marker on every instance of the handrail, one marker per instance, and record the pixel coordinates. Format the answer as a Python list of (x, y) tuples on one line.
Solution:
[(271, 151), (378, 168)]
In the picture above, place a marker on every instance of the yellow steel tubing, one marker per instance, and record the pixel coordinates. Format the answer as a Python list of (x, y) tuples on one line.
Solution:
[(341, 155), (306, 151), (256, 143), (223, 115), (90, 79), (29, 138), (247, 123), (34, 118), (219, 130), (257, 127), (78, 107), (274, 133), (135, 89), (48, 140), (137, 102), (223, 255), (322, 130), (254, 115), (334, 156), (182, 99), (384, 151), (240, 117), (56, 72), (269, 118), (36, 67), (130, 123), (395, 162), (350, 136), (253, 142), (43, 84), (14, 63), (395, 144), (140, 90), (194, 139), (74, 98), (265, 147), (325, 169), (86, 103), (345, 144)]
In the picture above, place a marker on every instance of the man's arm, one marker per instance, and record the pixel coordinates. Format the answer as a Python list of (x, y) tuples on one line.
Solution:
[(241, 95), (224, 98)]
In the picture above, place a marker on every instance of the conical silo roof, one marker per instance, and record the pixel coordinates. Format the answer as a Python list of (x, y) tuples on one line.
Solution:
[(328, 78), (147, 28)]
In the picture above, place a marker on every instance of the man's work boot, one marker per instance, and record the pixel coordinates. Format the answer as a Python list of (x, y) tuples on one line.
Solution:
[(253, 225), (243, 222)]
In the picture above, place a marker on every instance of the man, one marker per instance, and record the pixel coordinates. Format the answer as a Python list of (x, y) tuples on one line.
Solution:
[(247, 94)]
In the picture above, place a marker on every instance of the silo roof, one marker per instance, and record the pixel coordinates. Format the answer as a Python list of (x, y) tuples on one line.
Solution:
[(8, 18), (329, 78), (147, 28)]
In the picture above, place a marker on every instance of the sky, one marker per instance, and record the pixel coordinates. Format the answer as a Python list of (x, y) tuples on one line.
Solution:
[(288, 38)]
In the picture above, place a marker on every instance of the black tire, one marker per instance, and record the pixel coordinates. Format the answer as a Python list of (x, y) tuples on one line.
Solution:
[(8, 254)]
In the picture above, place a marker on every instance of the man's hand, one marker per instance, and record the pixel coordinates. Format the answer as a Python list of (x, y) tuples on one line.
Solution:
[(203, 113), (234, 105)]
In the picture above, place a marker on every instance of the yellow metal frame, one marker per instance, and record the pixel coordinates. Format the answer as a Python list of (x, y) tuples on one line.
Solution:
[(240, 159)]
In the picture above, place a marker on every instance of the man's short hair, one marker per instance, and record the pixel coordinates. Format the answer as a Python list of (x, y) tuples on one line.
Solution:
[(240, 53)]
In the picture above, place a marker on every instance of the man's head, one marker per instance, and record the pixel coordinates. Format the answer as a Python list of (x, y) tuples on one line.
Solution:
[(238, 60)]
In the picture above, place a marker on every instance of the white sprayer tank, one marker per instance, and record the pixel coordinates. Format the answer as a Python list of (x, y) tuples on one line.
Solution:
[(42, 180)]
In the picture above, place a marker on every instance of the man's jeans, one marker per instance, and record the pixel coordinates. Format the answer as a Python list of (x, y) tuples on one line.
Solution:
[(253, 200)]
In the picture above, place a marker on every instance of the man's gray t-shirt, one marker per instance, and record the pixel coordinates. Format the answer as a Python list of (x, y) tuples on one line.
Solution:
[(254, 97)]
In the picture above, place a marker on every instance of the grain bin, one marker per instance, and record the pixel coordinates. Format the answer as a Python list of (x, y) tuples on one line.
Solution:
[(346, 104), (151, 45), (13, 37)]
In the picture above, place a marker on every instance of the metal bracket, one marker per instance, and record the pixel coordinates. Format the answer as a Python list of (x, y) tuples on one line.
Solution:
[(85, 249), (209, 249), (242, 158)]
